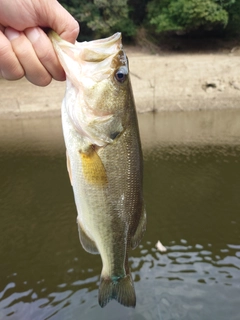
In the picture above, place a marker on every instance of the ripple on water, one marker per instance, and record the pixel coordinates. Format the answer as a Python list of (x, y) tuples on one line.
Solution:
[(193, 204)]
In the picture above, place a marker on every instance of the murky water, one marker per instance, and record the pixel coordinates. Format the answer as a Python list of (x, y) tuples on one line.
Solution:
[(192, 192)]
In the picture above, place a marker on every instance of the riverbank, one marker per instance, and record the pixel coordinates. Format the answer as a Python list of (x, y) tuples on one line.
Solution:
[(167, 82)]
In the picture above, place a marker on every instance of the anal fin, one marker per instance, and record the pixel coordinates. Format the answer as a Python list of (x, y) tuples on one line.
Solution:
[(87, 243)]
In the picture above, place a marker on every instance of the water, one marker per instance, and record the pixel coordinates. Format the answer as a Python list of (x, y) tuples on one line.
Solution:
[(192, 188)]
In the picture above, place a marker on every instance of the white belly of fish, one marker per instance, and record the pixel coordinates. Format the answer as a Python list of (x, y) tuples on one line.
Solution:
[(95, 208)]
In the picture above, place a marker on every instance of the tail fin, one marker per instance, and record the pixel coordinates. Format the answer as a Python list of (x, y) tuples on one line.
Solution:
[(121, 290)]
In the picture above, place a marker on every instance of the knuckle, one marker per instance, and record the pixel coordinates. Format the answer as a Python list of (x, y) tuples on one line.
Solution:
[(4, 50), (42, 80), (9, 64), (21, 51), (45, 56), (18, 73), (14, 74), (45, 81)]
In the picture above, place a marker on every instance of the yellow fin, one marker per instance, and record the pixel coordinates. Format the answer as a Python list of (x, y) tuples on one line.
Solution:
[(93, 168)]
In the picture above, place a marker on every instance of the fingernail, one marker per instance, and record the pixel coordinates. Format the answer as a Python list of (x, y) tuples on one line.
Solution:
[(11, 34), (32, 34)]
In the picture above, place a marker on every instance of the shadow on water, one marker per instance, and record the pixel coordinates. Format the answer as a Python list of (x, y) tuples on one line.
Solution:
[(192, 187)]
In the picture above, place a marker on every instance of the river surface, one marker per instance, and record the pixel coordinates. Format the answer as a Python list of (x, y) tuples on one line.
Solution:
[(192, 194)]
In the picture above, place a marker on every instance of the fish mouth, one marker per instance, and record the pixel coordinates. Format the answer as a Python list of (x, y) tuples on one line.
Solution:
[(101, 49), (93, 58), (97, 50)]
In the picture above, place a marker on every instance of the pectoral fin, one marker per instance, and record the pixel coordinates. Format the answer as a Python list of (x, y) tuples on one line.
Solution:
[(87, 243), (69, 167), (137, 237), (93, 168)]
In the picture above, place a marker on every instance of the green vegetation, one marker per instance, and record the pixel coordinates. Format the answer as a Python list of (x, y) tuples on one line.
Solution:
[(186, 15), (102, 17)]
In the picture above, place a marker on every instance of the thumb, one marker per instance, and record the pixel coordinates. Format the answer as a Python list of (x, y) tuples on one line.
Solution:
[(53, 15)]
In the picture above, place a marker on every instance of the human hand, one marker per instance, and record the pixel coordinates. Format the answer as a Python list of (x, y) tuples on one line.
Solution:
[(25, 49)]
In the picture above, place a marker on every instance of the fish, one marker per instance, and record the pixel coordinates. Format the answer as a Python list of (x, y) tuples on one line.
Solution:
[(104, 157)]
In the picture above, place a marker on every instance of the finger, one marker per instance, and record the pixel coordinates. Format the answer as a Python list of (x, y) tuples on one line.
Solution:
[(10, 67), (45, 52), (65, 25), (2, 28), (34, 70), (70, 32), (58, 19)]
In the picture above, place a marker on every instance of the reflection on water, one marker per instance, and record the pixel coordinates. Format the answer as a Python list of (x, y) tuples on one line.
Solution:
[(192, 189)]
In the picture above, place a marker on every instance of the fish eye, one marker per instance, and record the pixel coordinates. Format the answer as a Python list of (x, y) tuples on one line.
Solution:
[(121, 74)]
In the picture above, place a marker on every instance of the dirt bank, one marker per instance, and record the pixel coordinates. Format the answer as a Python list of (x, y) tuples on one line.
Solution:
[(160, 82)]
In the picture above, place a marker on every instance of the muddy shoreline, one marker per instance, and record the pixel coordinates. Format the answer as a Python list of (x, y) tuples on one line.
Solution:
[(171, 82)]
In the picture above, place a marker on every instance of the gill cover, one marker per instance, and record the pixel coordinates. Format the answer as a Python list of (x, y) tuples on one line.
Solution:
[(89, 68)]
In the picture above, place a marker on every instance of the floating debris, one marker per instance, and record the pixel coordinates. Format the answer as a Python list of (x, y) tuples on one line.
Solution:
[(160, 247)]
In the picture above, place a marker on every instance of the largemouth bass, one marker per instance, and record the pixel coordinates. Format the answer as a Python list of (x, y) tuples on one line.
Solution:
[(104, 157)]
